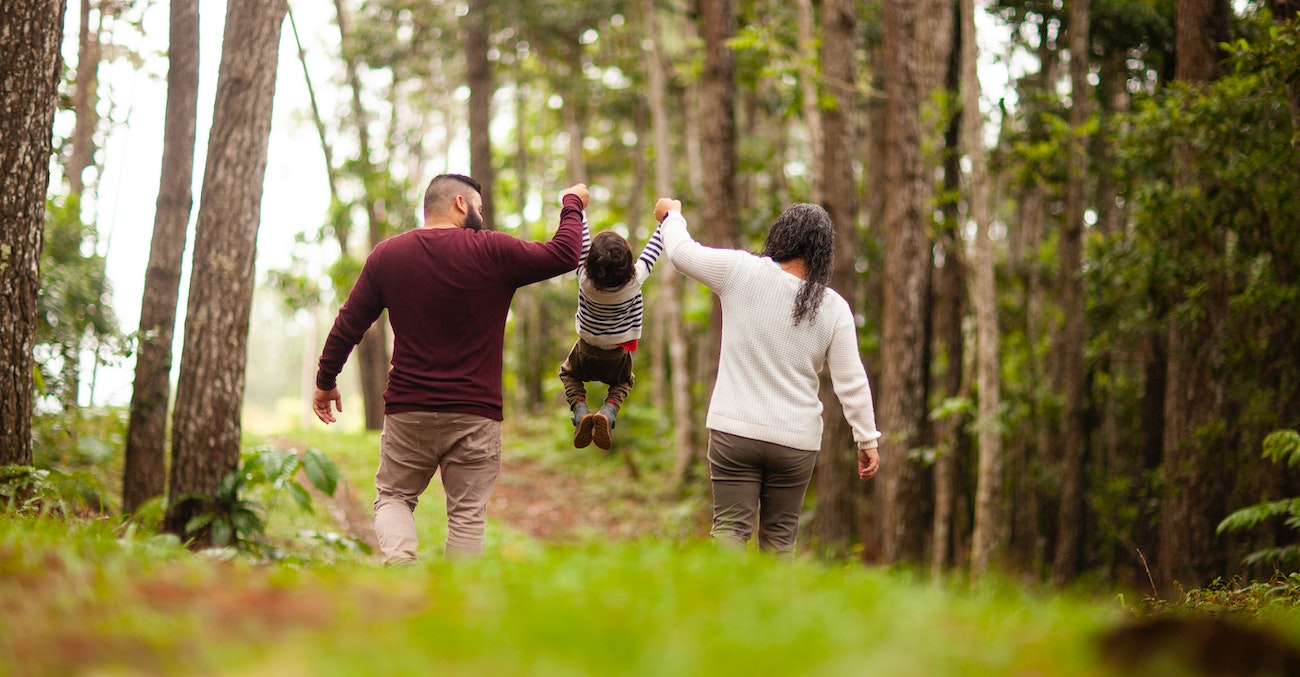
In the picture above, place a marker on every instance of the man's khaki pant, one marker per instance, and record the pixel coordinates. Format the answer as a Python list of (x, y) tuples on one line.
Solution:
[(413, 447)]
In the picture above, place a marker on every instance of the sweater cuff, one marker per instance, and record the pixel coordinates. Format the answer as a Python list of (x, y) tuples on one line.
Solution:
[(872, 443)]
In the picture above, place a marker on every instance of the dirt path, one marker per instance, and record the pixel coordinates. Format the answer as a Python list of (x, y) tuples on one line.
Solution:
[(538, 501)]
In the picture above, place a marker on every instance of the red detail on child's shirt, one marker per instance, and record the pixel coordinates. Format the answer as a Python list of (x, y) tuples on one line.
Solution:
[(630, 345)]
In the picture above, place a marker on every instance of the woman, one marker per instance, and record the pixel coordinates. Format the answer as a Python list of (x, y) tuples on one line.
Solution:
[(781, 325)]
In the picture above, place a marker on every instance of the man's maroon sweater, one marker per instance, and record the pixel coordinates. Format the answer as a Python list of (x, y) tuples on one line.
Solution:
[(447, 292)]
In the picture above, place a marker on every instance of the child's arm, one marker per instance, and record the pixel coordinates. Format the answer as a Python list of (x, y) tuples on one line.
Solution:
[(653, 248), (586, 240)]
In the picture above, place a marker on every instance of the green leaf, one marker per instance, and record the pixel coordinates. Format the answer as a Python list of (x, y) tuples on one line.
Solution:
[(1251, 516), (299, 495), (322, 472), (198, 522), (222, 533)]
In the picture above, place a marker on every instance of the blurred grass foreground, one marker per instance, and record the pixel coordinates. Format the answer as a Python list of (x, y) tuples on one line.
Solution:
[(80, 598)]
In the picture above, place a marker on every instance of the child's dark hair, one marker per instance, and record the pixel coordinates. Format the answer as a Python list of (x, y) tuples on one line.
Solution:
[(804, 231), (609, 261)]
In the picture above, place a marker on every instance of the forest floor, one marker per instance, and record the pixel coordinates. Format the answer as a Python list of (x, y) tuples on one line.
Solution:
[(547, 491)]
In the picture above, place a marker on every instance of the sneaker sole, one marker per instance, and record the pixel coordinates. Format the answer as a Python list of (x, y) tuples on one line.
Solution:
[(582, 436), (600, 432)]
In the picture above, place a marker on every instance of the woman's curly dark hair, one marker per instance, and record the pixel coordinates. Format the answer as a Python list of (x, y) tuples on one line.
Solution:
[(609, 261), (804, 231)]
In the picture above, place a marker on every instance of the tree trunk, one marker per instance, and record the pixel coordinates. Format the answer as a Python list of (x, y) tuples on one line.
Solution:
[(810, 99), (146, 439), (209, 395), (916, 37), (669, 311), (717, 23), (478, 76), (834, 523), (1074, 430), (31, 32), (986, 544), (1194, 391), (372, 352), (1286, 11), (84, 98)]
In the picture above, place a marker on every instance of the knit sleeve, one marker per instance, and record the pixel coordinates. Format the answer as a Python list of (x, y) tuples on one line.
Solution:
[(849, 378), (706, 265)]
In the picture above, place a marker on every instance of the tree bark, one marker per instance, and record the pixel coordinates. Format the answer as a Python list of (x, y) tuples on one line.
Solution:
[(717, 22), (209, 395), (372, 352), (1287, 11), (669, 311), (916, 36), (986, 543), (31, 33), (834, 523), (1074, 385), (1194, 499), (810, 98), (145, 475), (84, 98), (478, 76)]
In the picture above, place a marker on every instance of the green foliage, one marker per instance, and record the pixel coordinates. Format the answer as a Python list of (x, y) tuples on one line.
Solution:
[(74, 305), (233, 520), (1280, 447)]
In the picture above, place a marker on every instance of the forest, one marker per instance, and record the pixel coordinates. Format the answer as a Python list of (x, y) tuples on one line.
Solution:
[(1067, 230)]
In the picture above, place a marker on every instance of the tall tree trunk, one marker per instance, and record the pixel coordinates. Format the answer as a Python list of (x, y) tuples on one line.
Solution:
[(478, 76), (145, 473), (1288, 11), (1194, 392), (84, 98), (670, 287), (717, 23), (986, 544), (1074, 431), (209, 395), (810, 98), (372, 352), (81, 158), (834, 523), (31, 32), (949, 309), (916, 36)]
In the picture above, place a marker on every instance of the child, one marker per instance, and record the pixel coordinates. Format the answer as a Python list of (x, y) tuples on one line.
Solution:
[(609, 323)]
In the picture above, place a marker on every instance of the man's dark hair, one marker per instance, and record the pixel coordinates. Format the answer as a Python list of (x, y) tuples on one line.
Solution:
[(444, 188), (804, 231), (609, 261)]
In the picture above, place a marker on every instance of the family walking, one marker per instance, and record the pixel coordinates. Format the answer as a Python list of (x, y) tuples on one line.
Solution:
[(447, 287)]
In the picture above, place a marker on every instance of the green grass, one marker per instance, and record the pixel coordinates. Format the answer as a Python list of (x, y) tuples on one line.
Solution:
[(76, 598), (84, 595)]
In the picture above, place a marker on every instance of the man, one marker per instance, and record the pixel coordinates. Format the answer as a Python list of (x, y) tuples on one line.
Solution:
[(447, 287)]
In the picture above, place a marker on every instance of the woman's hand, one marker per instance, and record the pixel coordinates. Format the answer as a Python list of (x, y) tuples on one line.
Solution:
[(665, 205), (868, 463)]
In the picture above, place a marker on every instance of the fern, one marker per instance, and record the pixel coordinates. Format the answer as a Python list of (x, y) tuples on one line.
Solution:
[(1282, 446)]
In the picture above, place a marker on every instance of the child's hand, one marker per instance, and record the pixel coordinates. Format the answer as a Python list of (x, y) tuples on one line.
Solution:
[(665, 205), (579, 189)]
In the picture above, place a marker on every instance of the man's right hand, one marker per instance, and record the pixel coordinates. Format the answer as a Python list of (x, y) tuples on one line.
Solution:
[(579, 189), (320, 404), (665, 205)]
